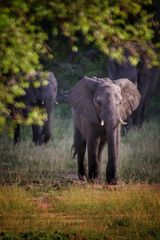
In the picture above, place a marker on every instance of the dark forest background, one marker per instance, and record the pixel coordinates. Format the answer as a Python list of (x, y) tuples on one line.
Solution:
[(71, 39)]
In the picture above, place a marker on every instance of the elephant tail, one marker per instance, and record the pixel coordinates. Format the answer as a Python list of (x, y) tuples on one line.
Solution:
[(73, 152)]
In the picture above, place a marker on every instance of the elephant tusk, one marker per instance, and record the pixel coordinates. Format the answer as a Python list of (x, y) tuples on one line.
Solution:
[(56, 102), (122, 122), (102, 123)]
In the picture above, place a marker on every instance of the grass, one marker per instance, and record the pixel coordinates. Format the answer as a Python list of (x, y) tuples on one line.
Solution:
[(140, 154), (27, 164), (40, 197), (81, 212)]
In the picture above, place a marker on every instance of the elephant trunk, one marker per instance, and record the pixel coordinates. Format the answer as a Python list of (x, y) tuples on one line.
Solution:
[(112, 122), (113, 154)]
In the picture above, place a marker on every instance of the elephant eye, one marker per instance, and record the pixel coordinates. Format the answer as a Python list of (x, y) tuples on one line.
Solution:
[(119, 98)]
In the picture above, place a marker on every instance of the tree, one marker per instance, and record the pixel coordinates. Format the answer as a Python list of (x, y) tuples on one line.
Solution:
[(26, 26), (21, 43)]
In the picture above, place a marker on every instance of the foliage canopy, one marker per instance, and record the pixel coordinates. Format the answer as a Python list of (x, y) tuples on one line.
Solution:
[(27, 26)]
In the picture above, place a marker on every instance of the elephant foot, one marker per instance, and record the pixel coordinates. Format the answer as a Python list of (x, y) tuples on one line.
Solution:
[(111, 176), (96, 180), (112, 182), (82, 177)]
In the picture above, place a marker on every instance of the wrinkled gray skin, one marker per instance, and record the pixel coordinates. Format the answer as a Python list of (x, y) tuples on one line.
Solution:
[(43, 97), (99, 107), (146, 80)]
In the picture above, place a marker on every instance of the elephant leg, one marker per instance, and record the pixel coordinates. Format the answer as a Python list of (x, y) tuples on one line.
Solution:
[(17, 134), (80, 149), (100, 150), (118, 142), (36, 132), (93, 161), (112, 166), (46, 131), (142, 114)]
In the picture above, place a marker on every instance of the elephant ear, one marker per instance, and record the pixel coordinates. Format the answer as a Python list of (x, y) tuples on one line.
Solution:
[(130, 97), (81, 98)]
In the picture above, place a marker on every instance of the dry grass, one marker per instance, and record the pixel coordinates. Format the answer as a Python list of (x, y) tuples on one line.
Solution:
[(85, 211), (79, 211), (16, 209)]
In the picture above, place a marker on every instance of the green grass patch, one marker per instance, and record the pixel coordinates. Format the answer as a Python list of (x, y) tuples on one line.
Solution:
[(81, 212)]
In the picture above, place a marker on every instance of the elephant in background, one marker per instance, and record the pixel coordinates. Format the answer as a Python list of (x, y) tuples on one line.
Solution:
[(124, 69), (43, 97), (145, 78), (99, 107), (146, 84)]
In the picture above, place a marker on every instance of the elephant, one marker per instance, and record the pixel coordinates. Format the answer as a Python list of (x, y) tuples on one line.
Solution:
[(99, 107), (124, 69), (43, 97), (146, 83), (146, 79)]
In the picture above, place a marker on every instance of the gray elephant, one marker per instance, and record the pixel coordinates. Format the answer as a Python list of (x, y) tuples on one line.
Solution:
[(146, 84), (43, 97), (99, 107), (122, 69), (145, 78)]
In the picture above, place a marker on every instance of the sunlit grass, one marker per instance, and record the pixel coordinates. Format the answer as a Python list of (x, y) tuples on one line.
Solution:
[(85, 211), (16, 209)]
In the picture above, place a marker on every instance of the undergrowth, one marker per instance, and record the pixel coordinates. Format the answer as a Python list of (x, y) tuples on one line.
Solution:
[(87, 212), (26, 163)]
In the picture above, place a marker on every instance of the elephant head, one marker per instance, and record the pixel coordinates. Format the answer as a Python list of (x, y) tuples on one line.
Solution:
[(105, 105), (42, 95), (103, 100)]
